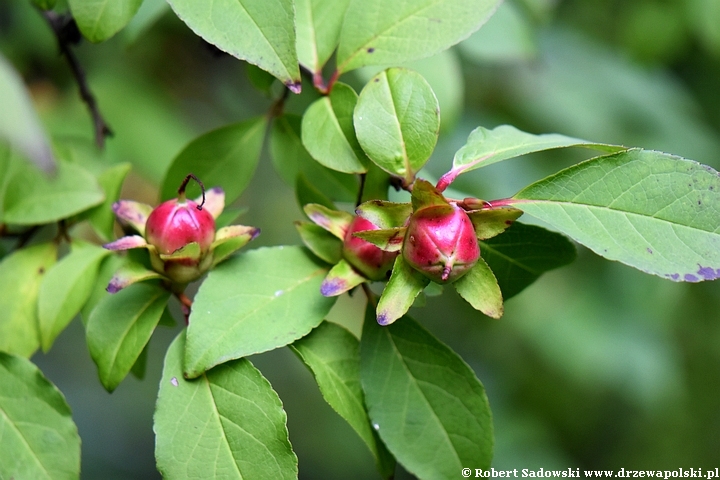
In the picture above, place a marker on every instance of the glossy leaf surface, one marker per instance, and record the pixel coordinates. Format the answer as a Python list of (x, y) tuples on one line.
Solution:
[(261, 32), (252, 303), (426, 404), (229, 423), (38, 436), (650, 210)]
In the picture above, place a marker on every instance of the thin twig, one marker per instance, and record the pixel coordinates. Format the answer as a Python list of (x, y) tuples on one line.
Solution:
[(62, 26)]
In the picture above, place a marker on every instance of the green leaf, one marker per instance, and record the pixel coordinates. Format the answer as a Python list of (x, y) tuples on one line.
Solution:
[(230, 239), (99, 20), (120, 327), (524, 252), (333, 356), (260, 79), (8, 165), (44, 4), (228, 423), (318, 24), (140, 366), (292, 161), (306, 192), (399, 294), (261, 32), (341, 278), (397, 120), (19, 123), (102, 217), (254, 302), (32, 198), (481, 290), (38, 437), (485, 147), (226, 157), (65, 289), (328, 132), (426, 404), (425, 195), (386, 32), (21, 274), (321, 242), (650, 210), (507, 37)]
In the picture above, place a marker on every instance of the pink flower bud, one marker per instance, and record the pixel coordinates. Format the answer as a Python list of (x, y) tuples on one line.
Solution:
[(371, 261), (440, 243), (174, 224)]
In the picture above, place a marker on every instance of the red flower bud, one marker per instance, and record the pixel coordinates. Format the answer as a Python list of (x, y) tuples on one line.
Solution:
[(363, 255), (174, 224), (440, 243)]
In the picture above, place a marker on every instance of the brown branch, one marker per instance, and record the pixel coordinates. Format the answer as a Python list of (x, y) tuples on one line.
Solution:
[(66, 33)]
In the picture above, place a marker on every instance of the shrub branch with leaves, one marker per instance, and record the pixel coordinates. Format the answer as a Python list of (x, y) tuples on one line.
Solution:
[(409, 397)]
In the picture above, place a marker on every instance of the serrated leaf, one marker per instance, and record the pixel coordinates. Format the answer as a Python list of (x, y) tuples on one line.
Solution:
[(99, 20), (480, 288), (382, 32), (32, 198), (397, 121), (21, 274), (492, 221), (226, 158), (120, 327), (328, 133), (229, 421), (292, 161), (318, 24), (650, 210), (102, 217), (400, 291), (321, 242), (38, 436), (65, 289), (252, 303), (341, 278), (19, 123), (524, 252), (261, 32), (333, 356), (426, 404), (485, 147)]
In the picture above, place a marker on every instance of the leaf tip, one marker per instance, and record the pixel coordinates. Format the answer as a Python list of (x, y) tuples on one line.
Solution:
[(333, 287), (295, 87)]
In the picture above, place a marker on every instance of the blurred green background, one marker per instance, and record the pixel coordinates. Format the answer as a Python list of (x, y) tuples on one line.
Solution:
[(596, 366)]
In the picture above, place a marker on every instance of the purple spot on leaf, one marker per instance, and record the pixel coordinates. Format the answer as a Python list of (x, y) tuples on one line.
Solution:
[(332, 287), (174, 381), (689, 277), (382, 319), (675, 276), (115, 285), (294, 87), (708, 273), (649, 250), (370, 50)]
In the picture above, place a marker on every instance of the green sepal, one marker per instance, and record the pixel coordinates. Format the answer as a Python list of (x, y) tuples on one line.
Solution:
[(188, 252), (404, 285), (129, 273), (385, 214), (491, 222), (425, 195), (334, 221), (321, 242), (388, 239), (341, 278), (480, 288), (230, 239)]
